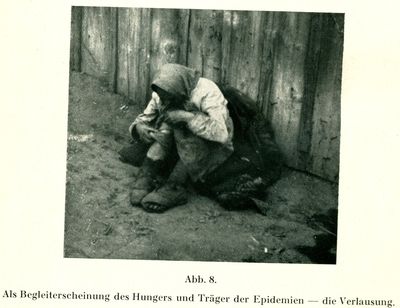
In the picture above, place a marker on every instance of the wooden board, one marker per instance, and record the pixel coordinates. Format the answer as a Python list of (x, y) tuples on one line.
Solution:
[(134, 38), (287, 89), (268, 26), (243, 37), (204, 44), (99, 43), (168, 30), (324, 152), (311, 68), (75, 41)]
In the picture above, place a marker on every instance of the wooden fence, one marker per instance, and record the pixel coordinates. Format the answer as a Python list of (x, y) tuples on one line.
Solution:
[(290, 63)]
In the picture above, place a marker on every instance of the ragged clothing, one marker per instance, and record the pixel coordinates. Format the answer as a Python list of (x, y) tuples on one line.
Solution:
[(207, 139), (211, 121), (228, 147), (241, 181)]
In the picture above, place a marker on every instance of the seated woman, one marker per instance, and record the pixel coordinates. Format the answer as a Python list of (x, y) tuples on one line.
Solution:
[(193, 134)]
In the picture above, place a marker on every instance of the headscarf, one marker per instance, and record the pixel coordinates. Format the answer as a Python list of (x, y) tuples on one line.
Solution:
[(176, 79)]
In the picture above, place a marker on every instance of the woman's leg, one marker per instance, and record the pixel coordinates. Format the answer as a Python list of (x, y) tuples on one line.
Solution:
[(171, 194), (134, 153), (197, 157), (157, 161)]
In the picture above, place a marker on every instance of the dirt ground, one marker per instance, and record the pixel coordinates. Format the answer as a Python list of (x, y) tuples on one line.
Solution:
[(300, 225)]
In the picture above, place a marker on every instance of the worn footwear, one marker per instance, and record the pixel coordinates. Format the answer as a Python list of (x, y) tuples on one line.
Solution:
[(143, 186), (234, 201), (146, 181), (170, 195)]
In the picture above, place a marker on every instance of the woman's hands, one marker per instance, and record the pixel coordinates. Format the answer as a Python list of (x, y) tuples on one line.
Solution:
[(144, 131), (178, 116)]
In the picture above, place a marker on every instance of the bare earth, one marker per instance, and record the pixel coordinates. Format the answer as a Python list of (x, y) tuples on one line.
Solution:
[(299, 227)]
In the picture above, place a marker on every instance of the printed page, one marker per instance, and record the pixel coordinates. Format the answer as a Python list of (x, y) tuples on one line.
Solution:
[(192, 154)]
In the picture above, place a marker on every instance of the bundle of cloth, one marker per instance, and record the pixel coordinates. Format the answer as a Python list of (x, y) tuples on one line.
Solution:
[(211, 137)]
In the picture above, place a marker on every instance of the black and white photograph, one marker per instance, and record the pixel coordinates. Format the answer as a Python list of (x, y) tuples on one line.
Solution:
[(203, 135), (179, 153)]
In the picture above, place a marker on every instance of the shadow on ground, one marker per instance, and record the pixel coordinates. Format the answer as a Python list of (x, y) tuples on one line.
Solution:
[(300, 225)]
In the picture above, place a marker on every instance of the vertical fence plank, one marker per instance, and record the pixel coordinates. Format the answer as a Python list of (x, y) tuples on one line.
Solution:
[(166, 36), (145, 58), (242, 58), (113, 61), (185, 18), (226, 45), (288, 81), (267, 61), (123, 46), (326, 117), (204, 52), (134, 36), (98, 43), (76, 32), (310, 84)]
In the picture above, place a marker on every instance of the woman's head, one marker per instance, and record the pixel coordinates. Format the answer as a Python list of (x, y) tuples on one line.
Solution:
[(169, 100), (174, 83)]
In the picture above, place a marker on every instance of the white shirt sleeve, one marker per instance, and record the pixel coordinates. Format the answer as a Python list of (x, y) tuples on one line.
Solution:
[(213, 121), (149, 114)]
